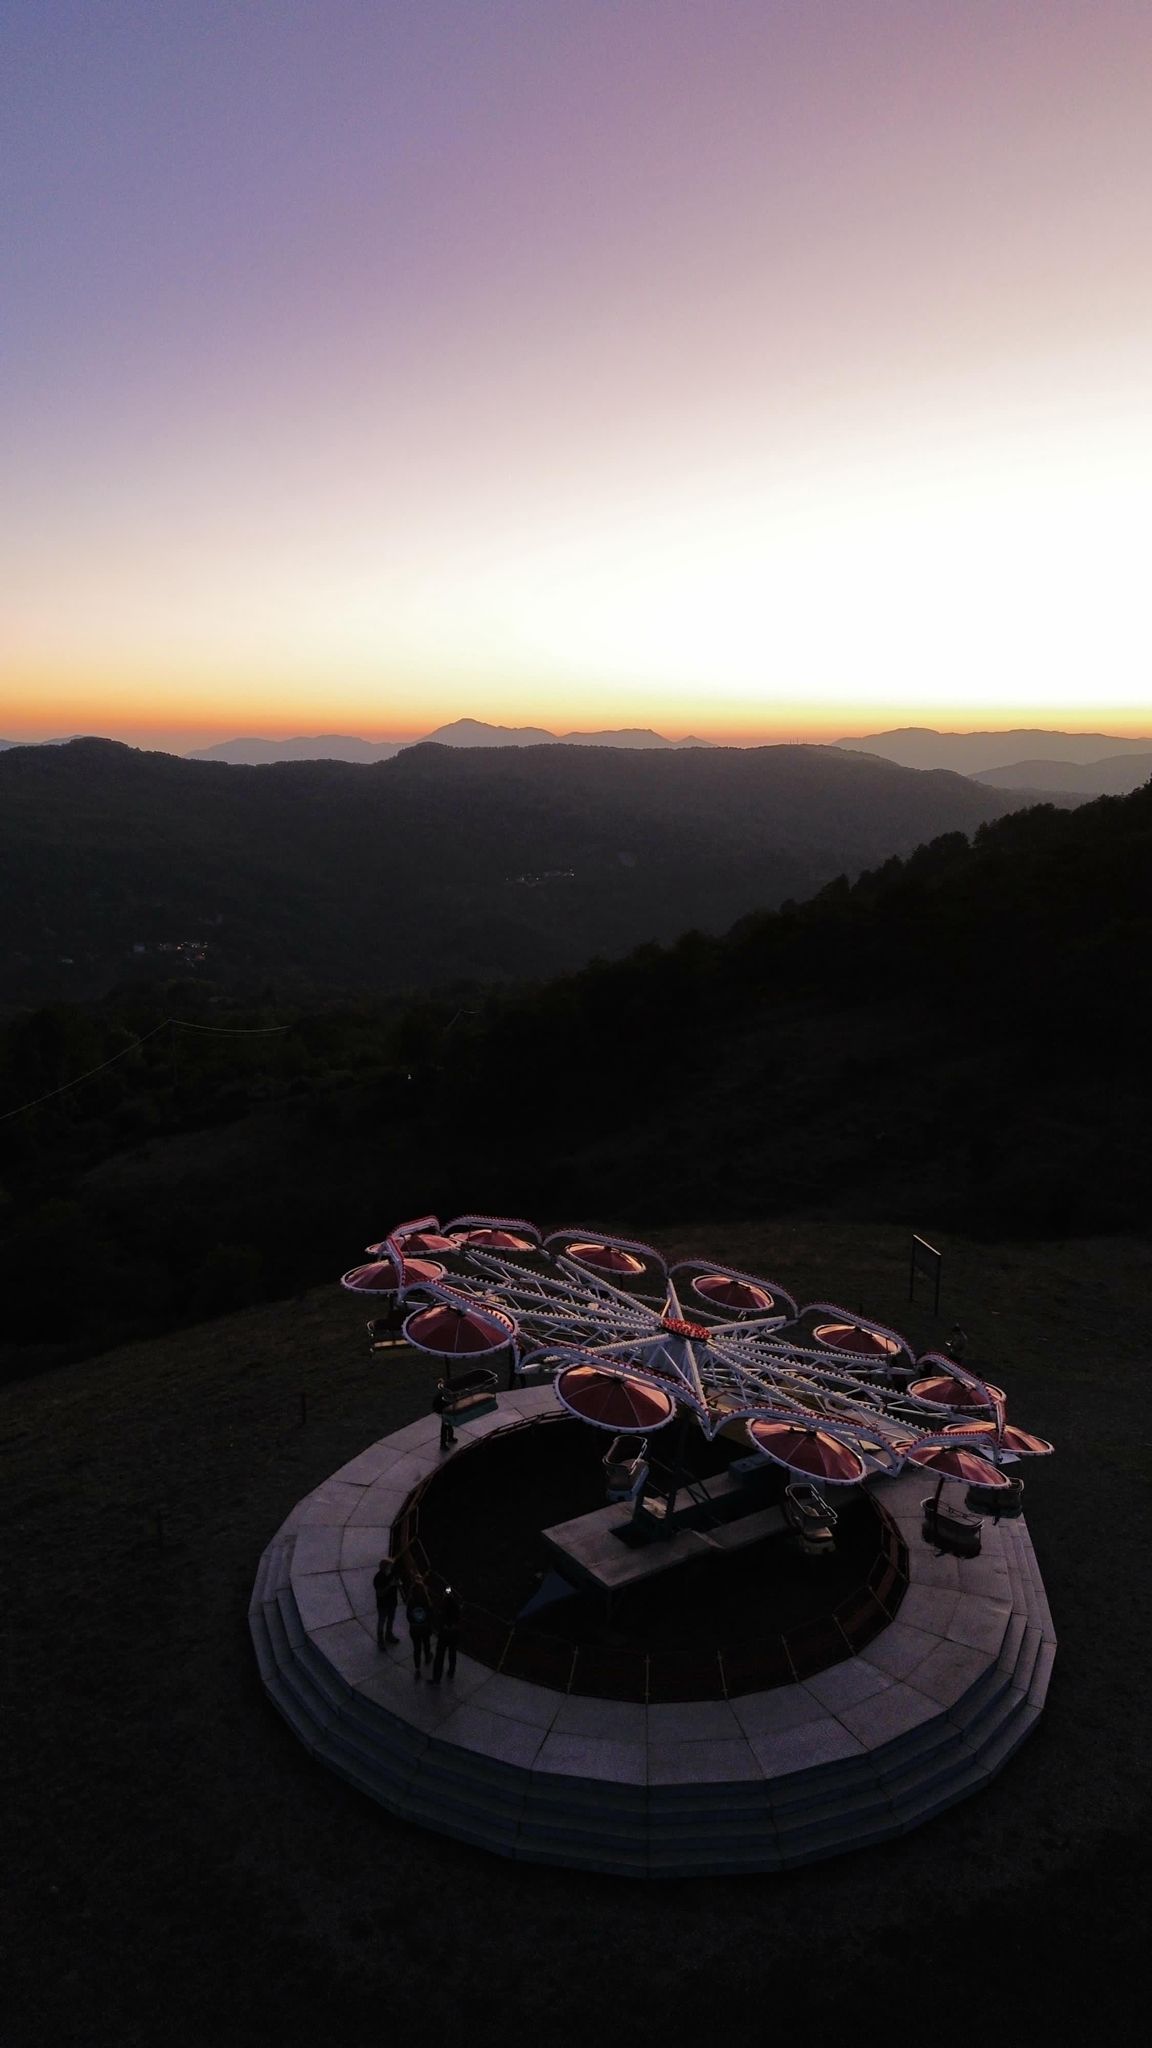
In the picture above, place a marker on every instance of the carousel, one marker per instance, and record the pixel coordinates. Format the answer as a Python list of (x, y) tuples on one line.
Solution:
[(709, 1618)]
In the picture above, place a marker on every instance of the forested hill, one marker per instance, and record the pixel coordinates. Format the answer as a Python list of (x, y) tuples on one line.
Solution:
[(960, 1039), (960, 1035), (313, 877)]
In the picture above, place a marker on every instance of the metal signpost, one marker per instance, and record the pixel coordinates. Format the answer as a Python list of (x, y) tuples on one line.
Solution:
[(925, 1259)]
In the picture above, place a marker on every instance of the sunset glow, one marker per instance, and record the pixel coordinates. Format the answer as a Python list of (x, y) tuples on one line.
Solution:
[(759, 371)]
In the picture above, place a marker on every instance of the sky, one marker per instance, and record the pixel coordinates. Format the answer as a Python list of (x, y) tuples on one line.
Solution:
[(760, 369)]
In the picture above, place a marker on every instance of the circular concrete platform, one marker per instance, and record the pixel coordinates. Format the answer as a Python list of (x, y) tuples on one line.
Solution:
[(926, 1713)]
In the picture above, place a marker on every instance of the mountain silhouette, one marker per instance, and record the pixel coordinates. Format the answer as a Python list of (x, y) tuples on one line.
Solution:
[(462, 732), (970, 753), (441, 864), (1116, 775)]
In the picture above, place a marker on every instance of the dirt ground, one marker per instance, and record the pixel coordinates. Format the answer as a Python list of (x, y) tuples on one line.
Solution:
[(178, 1871)]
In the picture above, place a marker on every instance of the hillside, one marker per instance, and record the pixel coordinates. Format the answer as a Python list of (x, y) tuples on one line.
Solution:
[(959, 1039), (441, 865), (184, 1873)]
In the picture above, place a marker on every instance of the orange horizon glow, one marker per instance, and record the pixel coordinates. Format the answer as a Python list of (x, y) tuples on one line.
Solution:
[(191, 732)]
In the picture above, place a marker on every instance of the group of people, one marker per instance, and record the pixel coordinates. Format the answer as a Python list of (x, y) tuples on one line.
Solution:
[(433, 1624)]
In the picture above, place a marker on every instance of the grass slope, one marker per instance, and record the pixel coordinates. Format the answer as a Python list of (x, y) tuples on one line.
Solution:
[(180, 1872)]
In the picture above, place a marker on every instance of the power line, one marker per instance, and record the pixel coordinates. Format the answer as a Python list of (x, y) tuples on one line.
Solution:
[(229, 1030), (166, 1023), (75, 1083)]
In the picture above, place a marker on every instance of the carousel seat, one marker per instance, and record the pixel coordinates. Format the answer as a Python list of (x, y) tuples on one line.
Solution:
[(810, 1519), (625, 1467), (470, 1396), (951, 1529)]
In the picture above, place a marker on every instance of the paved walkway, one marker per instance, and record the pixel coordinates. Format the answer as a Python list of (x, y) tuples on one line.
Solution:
[(927, 1713)]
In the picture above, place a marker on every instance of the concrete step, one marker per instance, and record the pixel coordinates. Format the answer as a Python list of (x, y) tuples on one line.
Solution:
[(265, 1658), (258, 1584), (616, 1861), (662, 1830), (1045, 1659), (310, 1704), (288, 1707), (1003, 1742), (270, 1571)]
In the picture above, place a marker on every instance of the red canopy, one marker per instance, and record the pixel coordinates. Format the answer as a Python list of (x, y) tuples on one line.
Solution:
[(489, 1238), (852, 1337), (383, 1276), (949, 1463), (613, 1400), (450, 1332), (605, 1258), (724, 1292), (426, 1241), (1019, 1441), (804, 1448), (944, 1392)]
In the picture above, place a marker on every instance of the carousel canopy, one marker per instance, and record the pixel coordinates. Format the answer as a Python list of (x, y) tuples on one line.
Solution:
[(954, 1463), (385, 1276), (605, 1258), (614, 1400), (488, 1237), (1020, 1442), (515, 1226), (424, 1241), (721, 1291), (809, 1450), (942, 1391), (853, 1337), (448, 1331)]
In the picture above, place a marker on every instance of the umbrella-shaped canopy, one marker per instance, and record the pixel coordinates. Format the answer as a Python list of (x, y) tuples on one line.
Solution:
[(951, 1462), (809, 1450), (613, 1400), (853, 1337), (448, 1331), (605, 1258), (421, 1241), (384, 1276), (490, 1238), (1020, 1442), (723, 1292), (942, 1391)]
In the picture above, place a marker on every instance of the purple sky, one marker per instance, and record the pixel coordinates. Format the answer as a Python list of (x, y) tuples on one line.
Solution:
[(742, 368)]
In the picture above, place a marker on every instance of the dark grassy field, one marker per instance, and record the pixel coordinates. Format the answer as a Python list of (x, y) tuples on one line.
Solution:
[(179, 1872)]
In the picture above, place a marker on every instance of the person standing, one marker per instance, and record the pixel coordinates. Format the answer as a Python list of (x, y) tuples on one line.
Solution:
[(442, 1406), (386, 1585), (419, 1615), (447, 1634)]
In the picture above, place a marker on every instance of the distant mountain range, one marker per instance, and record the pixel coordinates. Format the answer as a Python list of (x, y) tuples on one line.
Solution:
[(1022, 759), (1025, 759), (462, 732), (1116, 775), (444, 864), (1031, 762)]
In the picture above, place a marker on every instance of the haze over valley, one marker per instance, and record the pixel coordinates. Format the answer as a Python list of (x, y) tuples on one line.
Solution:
[(440, 865)]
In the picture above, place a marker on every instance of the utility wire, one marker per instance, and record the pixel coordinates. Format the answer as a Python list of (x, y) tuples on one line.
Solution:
[(229, 1030), (166, 1023)]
